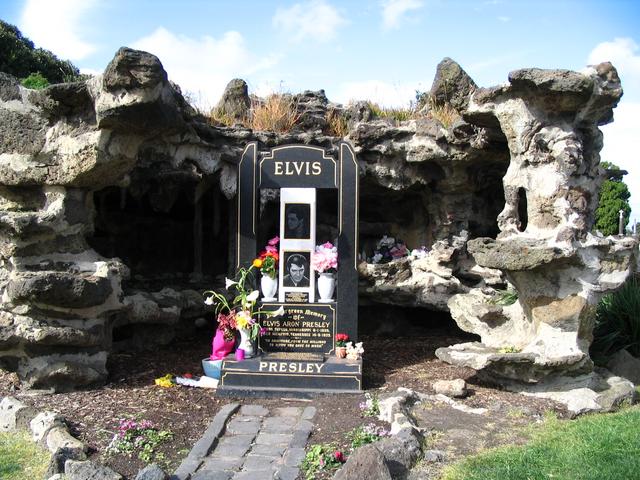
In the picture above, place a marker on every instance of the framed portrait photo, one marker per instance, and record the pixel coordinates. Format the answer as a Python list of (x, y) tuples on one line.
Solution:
[(297, 221)]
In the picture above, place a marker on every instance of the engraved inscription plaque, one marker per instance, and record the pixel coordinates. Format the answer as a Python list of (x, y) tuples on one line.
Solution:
[(303, 328)]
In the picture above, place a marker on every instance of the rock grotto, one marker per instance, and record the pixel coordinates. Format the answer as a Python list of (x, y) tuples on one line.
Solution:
[(115, 196)]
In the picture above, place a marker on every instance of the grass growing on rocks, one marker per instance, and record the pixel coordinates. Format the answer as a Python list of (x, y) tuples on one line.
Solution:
[(20, 458), (594, 447)]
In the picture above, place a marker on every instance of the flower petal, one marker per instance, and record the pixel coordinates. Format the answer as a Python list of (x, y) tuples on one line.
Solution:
[(229, 283), (253, 296)]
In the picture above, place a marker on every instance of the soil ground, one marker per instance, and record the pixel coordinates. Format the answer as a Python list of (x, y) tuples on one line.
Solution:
[(389, 363)]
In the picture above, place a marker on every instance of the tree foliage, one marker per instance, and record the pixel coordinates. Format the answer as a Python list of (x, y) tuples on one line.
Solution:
[(614, 196), (20, 58)]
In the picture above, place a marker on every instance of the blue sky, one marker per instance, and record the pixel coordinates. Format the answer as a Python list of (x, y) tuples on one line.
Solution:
[(379, 50)]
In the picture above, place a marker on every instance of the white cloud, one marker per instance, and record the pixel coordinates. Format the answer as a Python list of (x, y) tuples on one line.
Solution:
[(314, 20), (621, 147), (504, 19), (203, 66), (394, 10), (624, 55), (620, 137), (383, 93), (56, 26)]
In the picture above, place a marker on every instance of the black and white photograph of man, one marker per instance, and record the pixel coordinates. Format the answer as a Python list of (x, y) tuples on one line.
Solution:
[(297, 219), (297, 269)]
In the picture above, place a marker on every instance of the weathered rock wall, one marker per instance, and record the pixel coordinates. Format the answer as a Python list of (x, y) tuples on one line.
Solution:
[(79, 163), (545, 248)]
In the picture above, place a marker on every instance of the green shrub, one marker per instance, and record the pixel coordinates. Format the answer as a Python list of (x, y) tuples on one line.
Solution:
[(617, 324), (504, 298), (35, 81)]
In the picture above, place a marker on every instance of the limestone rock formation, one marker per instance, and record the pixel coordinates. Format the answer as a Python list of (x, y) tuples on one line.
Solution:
[(116, 201), (235, 102), (451, 85), (560, 270)]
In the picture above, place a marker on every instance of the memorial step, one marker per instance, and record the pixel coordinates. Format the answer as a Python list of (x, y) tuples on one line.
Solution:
[(275, 372)]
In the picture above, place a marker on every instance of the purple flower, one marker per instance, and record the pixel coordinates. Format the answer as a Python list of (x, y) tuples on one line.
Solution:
[(263, 331)]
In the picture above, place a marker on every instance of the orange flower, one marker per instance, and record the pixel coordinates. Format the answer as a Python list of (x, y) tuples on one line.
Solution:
[(257, 263)]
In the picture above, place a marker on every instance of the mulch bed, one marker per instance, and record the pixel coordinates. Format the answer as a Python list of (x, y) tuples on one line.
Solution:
[(130, 392)]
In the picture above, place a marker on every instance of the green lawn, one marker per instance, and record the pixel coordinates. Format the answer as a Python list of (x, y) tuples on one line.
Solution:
[(21, 458), (594, 447)]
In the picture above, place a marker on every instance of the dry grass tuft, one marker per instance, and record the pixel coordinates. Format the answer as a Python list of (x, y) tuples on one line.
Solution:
[(397, 114), (218, 117), (277, 113), (337, 125), (445, 114)]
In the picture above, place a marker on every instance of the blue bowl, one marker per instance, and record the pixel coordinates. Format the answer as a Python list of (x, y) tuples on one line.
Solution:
[(212, 368)]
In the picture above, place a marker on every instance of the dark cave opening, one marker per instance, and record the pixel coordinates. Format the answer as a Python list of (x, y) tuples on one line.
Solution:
[(400, 214), (523, 215), (382, 320), (174, 238)]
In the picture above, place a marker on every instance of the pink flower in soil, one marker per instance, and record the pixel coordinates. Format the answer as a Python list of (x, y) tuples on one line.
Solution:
[(274, 241), (339, 456)]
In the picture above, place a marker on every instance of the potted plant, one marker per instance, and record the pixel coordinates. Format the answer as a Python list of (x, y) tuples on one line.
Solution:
[(239, 313), (324, 260), (267, 262), (341, 344)]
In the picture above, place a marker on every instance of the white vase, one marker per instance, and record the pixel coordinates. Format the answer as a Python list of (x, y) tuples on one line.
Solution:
[(246, 343), (269, 287), (326, 286)]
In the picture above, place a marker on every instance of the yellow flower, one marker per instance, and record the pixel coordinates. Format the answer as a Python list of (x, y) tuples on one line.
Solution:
[(257, 263), (242, 319), (165, 381)]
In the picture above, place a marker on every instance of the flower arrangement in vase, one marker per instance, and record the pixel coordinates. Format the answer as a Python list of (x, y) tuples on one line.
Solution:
[(324, 260), (237, 314), (341, 344), (267, 263)]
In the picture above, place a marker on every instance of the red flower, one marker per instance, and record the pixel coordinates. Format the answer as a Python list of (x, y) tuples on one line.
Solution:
[(339, 456), (187, 375), (342, 337)]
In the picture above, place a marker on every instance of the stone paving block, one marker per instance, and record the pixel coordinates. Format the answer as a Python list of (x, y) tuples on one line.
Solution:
[(280, 420), (211, 475), (304, 425), (268, 450), (230, 451), (275, 428), (299, 439), (309, 413), (219, 463), (186, 468), (204, 445), (239, 440), (273, 438), (254, 410), (294, 457), (254, 475), (244, 425), (258, 462), (287, 473), (288, 411)]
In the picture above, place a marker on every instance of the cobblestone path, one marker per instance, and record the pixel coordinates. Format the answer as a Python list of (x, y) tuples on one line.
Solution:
[(250, 442)]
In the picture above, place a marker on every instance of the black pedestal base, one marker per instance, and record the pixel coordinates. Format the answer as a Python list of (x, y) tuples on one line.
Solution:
[(270, 375)]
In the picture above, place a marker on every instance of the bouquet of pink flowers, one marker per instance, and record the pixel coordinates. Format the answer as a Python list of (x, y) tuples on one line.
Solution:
[(325, 258)]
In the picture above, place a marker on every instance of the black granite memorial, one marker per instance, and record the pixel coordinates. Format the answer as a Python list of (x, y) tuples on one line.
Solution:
[(297, 354)]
